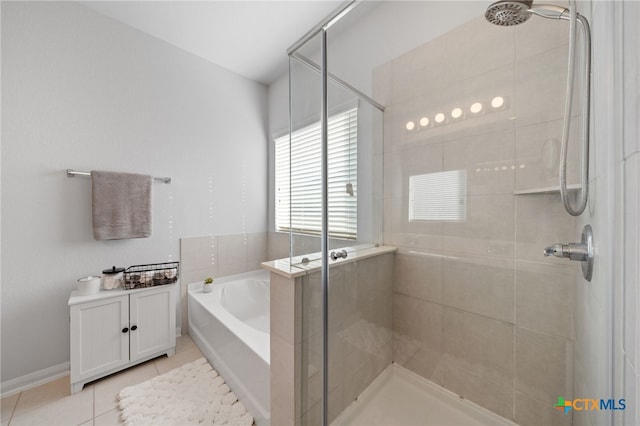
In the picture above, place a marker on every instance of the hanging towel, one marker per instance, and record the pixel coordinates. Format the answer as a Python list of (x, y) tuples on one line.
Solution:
[(121, 205)]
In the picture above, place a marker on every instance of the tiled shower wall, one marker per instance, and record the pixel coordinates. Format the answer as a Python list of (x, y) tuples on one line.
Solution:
[(477, 307), (360, 333)]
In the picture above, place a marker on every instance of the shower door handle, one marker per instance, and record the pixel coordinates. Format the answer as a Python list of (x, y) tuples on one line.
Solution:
[(581, 252)]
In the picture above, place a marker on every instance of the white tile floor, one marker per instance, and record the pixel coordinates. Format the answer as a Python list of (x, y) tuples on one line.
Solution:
[(52, 404), (400, 398)]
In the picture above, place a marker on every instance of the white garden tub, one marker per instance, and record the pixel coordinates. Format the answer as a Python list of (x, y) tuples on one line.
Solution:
[(230, 325)]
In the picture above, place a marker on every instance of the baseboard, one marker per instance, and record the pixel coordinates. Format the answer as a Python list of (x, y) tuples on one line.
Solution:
[(34, 379)]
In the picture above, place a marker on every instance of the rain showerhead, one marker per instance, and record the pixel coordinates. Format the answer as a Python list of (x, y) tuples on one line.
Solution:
[(509, 12), (515, 12)]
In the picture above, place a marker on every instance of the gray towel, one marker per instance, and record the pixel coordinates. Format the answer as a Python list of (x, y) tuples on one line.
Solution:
[(121, 205)]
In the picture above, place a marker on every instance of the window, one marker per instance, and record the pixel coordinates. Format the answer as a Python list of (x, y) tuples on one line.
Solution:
[(299, 181), (438, 196)]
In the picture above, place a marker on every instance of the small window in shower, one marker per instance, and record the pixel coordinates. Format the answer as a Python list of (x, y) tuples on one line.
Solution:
[(298, 178), (438, 196)]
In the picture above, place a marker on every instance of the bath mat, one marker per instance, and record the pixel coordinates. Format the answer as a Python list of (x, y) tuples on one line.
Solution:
[(194, 394)]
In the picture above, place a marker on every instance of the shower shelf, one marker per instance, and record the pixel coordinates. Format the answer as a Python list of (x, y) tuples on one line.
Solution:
[(546, 190)]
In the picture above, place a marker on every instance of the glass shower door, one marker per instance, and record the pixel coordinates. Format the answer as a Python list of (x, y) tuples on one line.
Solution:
[(333, 302)]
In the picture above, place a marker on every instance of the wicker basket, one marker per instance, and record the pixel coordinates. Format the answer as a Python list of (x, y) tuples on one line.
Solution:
[(140, 276)]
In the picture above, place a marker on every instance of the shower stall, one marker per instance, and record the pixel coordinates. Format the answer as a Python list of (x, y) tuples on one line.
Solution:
[(418, 186)]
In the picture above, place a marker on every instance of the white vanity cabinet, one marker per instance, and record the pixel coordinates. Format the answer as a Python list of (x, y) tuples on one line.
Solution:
[(116, 329)]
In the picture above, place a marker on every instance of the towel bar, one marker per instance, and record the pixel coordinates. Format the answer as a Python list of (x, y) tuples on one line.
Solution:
[(73, 173)]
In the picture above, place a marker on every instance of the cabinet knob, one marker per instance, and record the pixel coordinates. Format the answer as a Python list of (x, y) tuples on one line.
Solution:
[(134, 327), (124, 330)]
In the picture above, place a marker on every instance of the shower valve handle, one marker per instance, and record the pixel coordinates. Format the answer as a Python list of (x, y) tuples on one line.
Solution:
[(572, 251), (582, 252)]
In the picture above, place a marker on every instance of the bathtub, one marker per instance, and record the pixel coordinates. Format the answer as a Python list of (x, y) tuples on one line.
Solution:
[(230, 325)]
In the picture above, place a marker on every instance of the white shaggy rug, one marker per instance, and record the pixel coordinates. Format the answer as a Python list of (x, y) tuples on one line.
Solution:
[(194, 394)]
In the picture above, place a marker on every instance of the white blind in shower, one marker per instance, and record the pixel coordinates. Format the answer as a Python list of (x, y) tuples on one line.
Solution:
[(299, 184)]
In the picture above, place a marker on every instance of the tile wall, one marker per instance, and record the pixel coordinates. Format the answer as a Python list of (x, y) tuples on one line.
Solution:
[(477, 308), (278, 245), (360, 333), (631, 165)]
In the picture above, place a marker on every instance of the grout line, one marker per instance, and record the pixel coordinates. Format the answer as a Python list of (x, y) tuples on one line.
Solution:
[(516, 68), (515, 287), (13, 410), (93, 418)]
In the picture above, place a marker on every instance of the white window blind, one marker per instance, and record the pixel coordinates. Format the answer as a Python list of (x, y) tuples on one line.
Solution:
[(438, 196), (299, 178)]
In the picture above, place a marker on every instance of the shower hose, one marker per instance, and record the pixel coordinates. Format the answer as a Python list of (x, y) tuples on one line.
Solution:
[(586, 32)]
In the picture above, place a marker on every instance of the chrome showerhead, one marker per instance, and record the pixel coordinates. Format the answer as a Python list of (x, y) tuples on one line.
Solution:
[(509, 12), (514, 12)]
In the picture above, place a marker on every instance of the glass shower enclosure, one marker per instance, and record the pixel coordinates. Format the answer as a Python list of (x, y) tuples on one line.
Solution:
[(330, 201), (445, 147)]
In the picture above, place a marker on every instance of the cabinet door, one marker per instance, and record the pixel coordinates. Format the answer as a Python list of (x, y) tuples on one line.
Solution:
[(98, 343), (152, 322)]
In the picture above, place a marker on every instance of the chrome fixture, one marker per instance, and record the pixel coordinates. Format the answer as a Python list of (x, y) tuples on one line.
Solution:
[(73, 173), (515, 12), (582, 252), (339, 255), (509, 13)]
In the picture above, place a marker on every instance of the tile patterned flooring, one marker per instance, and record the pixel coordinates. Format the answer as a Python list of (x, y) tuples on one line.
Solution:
[(395, 397), (52, 404)]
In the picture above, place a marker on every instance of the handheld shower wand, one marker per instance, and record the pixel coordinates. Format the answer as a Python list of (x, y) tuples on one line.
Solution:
[(515, 12)]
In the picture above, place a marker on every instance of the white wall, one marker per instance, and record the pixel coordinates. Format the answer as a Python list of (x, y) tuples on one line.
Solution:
[(83, 91), (382, 33)]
